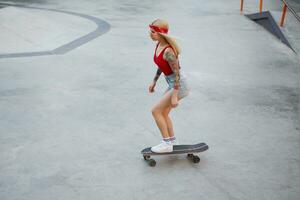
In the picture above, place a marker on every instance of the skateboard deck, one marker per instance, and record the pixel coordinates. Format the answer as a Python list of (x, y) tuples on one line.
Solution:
[(177, 149)]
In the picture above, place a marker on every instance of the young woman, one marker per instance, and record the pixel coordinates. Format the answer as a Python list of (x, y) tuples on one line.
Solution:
[(166, 59)]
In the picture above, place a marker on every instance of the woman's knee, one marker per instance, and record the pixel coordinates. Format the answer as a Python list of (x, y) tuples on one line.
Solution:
[(156, 111), (161, 107), (166, 112)]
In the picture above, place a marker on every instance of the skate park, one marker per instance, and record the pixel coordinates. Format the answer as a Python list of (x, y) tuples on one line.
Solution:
[(75, 111)]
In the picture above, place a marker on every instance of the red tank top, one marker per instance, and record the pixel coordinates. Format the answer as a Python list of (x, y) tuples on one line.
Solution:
[(162, 64)]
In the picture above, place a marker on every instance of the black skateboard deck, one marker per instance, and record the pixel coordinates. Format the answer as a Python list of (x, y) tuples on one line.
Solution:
[(177, 149)]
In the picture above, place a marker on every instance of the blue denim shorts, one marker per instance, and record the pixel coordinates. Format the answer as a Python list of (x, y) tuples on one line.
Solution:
[(184, 88)]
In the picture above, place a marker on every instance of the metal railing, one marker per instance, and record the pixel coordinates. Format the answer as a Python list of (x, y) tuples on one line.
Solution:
[(285, 6), (260, 5)]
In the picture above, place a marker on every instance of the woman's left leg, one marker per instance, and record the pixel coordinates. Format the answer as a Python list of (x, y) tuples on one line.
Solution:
[(158, 115), (157, 112), (168, 121), (166, 113)]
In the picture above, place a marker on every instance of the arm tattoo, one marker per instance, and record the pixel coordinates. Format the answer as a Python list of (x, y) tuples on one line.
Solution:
[(173, 62), (158, 73)]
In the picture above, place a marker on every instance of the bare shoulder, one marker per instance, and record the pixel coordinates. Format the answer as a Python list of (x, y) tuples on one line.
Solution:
[(169, 54)]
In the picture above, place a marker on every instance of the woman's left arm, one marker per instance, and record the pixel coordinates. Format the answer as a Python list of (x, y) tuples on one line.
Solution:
[(170, 57)]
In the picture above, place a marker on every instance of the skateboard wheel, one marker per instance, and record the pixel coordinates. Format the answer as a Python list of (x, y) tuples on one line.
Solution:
[(190, 155), (146, 157), (196, 159), (152, 163)]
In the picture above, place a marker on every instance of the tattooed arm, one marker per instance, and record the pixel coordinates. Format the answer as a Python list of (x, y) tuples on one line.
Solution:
[(170, 57), (158, 73), (152, 86)]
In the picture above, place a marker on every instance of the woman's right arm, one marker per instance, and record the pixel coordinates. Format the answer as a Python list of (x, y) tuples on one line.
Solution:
[(152, 85), (158, 73)]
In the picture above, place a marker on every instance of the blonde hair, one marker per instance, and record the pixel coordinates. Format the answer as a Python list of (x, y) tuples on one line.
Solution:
[(170, 40)]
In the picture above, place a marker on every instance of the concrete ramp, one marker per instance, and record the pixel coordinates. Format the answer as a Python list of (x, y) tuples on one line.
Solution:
[(266, 20)]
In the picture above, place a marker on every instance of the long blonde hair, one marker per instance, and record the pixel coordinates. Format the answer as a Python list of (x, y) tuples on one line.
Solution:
[(170, 40)]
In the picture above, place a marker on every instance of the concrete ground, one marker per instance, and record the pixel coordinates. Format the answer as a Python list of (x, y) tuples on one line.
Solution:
[(75, 112)]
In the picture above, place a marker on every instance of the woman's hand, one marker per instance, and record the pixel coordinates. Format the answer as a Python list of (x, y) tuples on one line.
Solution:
[(174, 99), (152, 86)]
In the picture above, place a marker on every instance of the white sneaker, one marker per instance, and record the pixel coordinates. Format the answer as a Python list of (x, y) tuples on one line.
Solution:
[(162, 148), (175, 142)]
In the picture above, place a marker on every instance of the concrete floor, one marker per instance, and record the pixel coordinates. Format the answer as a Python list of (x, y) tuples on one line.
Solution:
[(73, 123)]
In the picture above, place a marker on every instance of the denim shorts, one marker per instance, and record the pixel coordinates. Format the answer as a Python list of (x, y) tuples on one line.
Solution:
[(184, 88)]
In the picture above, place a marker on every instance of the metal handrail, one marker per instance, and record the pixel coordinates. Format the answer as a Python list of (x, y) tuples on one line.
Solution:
[(284, 8), (260, 5), (287, 6)]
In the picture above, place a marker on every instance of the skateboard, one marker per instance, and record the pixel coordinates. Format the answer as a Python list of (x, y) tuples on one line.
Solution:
[(177, 149)]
